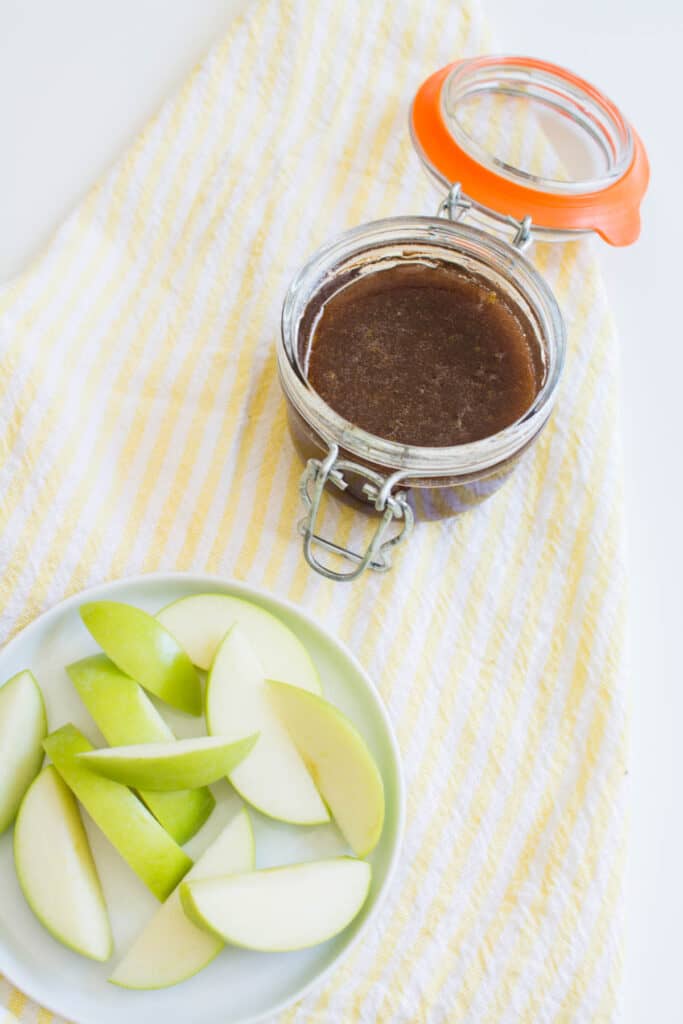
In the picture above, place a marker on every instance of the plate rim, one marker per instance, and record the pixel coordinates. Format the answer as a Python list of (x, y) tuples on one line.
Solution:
[(179, 576)]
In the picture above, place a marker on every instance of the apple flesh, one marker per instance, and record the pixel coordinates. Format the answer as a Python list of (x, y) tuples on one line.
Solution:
[(183, 764), (140, 646), (280, 909), (128, 825), (124, 714), (56, 870), (338, 759), (23, 726), (171, 948), (273, 777), (200, 622)]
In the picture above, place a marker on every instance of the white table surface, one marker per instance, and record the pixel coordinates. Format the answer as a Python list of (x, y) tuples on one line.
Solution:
[(77, 81)]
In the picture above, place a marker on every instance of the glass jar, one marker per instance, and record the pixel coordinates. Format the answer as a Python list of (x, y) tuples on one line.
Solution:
[(383, 477)]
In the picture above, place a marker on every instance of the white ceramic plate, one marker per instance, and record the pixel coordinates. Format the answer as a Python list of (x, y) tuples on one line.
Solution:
[(239, 986)]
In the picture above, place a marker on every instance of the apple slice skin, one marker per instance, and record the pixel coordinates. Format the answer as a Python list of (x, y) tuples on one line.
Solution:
[(280, 909), (124, 714), (22, 717), (166, 767), (199, 623), (170, 939), (337, 757), (142, 648), (142, 842), (51, 853), (273, 778)]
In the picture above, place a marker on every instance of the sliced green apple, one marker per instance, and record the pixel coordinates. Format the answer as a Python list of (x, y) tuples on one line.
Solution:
[(183, 764), (56, 870), (142, 648), (171, 948), (200, 622), (337, 757), (128, 825), (124, 714), (273, 777), (23, 726), (280, 909)]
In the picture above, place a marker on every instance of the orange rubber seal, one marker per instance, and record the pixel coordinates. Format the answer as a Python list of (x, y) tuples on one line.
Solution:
[(613, 212)]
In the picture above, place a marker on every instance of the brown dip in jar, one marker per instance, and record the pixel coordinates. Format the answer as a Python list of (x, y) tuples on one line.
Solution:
[(424, 354), (421, 354)]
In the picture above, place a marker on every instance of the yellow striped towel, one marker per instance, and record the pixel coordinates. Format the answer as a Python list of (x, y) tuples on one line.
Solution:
[(142, 428)]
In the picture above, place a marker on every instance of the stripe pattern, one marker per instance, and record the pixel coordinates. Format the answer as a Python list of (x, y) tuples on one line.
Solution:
[(142, 428)]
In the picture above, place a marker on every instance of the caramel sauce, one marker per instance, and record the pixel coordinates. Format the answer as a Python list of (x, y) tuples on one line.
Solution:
[(427, 355)]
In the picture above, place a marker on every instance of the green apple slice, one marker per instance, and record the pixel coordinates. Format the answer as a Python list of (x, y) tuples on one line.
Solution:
[(171, 948), (56, 870), (200, 622), (140, 646), (338, 759), (23, 726), (273, 777), (128, 825), (280, 909), (183, 764), (124, 714)]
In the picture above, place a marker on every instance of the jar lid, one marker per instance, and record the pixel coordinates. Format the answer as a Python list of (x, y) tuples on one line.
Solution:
[(525, 138)]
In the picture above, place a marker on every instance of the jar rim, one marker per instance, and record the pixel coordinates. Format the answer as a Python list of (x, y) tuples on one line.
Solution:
[(415, 461)]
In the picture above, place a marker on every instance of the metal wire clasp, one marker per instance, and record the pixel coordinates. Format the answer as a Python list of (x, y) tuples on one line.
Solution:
[(456, 205), (377, 489)]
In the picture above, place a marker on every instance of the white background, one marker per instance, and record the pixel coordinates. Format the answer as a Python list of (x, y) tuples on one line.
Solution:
[(77, 81)]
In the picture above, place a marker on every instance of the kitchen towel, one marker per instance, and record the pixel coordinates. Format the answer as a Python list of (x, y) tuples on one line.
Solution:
[(142, 428)]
